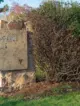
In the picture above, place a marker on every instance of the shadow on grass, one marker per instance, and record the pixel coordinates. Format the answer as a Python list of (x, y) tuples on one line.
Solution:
[(11, 103)]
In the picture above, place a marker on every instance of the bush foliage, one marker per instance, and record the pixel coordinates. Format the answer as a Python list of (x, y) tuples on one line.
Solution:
[(56, 39), (1, 1), (40, 75), (18, 12)]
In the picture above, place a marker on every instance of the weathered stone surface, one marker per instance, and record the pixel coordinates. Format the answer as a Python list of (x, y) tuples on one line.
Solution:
[(16, 25), (16, 60), (3, 24), (13, 50), (0, 79), (17, 80)]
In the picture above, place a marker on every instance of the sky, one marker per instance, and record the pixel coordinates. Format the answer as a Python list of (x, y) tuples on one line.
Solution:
[(33, 3)]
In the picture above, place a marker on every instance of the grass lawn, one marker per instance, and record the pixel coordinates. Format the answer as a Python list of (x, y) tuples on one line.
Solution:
[(70, 99)]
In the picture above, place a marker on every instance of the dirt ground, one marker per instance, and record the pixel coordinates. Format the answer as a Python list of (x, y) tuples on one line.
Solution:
[(32, 89)]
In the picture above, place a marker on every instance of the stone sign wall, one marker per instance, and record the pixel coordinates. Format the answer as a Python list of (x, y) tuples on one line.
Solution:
[(13, 50)]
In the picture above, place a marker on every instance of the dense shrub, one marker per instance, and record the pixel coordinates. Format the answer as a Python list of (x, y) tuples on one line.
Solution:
[(56, 39), (40, 75)]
